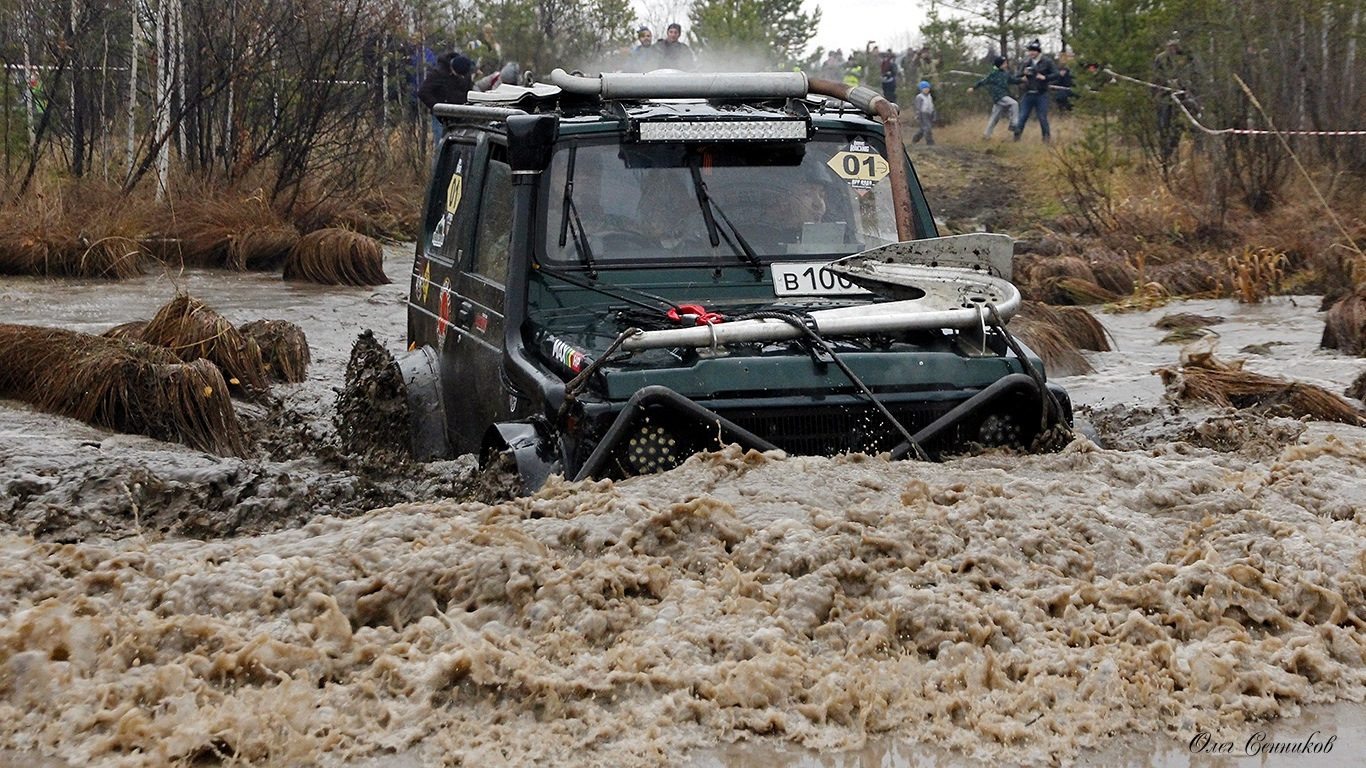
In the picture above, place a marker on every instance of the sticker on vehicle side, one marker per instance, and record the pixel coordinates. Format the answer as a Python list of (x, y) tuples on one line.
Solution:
[(810, 279), (456, 189), (443, 319), (570, 357), (860, 165)]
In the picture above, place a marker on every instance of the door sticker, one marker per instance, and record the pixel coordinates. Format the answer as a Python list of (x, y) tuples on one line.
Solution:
[(443, 320), (860, 165), (426, 279), (439, 234), (456, 188)]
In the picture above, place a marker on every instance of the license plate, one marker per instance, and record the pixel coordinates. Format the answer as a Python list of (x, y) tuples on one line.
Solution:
[(802, 279)]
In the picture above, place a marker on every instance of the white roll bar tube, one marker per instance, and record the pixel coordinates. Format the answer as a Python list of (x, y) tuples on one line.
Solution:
[(685, 85)]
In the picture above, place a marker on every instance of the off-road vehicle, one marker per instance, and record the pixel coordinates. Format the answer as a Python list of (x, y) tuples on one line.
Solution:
[(617, 271)]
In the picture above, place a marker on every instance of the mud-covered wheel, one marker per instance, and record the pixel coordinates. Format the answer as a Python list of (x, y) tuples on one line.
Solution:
[(497, 479)]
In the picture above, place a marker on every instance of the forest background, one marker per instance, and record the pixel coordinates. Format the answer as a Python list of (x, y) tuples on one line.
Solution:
[(304, 108)]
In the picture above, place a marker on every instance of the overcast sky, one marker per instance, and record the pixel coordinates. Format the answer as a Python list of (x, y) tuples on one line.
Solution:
[(845, 24), (850, 24)]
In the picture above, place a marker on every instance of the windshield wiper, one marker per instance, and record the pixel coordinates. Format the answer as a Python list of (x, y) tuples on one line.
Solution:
[(567, 209), (739, 245)]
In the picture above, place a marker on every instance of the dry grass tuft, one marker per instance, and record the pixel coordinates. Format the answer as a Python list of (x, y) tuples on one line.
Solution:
[(1344, 328), (72, 232), (1203, 376), (1245, 389), (1056, 334), (1256, 273), (284, 348), (1191, 277), (127, 331), (1112, 271), (192, 330), (227, 232), (122, 385), (1180, 320), (336, 257)]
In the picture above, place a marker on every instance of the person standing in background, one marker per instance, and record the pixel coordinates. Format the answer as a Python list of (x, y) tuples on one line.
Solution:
[(643, 57), (448, 83), (1035, 77), (889, 76), (924, 112)]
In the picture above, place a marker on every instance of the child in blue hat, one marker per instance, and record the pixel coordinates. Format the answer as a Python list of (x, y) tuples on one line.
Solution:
[(924, 112)]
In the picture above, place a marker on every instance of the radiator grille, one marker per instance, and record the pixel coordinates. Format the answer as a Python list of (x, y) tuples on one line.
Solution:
[(827, 431)]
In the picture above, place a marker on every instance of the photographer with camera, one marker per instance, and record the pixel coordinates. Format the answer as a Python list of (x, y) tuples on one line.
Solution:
[(1036, 75)]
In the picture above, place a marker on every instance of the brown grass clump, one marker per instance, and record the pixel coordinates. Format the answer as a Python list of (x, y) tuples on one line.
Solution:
[(190, 329), (1344, 328), (284, 348), (1112, 271), (1203, 376), (389, 211), (1190, 277), (1056, 334), (127, 331), (74, 232), (1245, 389), (336, 257), (1181, 320), (1256, 273), (236, 233), (121, 385)]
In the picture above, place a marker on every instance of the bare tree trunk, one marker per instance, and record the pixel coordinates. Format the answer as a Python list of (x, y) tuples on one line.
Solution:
[(1350, 65), (163, 100), (104, 91), (136, 37), (30, 74)]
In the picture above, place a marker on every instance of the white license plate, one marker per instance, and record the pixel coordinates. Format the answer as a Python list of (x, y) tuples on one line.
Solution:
[(810, 279)]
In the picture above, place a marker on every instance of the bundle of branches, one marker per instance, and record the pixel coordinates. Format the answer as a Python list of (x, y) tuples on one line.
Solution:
[(122, 385), (232, 233), (284, 348), (190, 329), (1345, 327), (68, 236), (336, 257), (1204, 377)]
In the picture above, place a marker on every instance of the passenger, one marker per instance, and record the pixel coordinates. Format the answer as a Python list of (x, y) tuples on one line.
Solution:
[(643, 57), (674, 54), (449, 83)]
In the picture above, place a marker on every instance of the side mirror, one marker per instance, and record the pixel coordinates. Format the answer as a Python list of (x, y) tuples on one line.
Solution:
[(531, 139)]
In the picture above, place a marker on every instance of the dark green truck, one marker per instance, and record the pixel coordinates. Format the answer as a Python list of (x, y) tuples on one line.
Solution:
[(615, 272)]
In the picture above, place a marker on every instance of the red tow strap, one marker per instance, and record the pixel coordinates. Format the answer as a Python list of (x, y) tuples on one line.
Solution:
[(684, 312)]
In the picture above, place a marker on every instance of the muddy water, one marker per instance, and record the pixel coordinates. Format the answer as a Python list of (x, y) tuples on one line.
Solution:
[(1095, 605)]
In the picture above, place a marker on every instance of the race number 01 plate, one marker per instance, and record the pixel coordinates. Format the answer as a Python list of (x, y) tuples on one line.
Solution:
[(810, 279)]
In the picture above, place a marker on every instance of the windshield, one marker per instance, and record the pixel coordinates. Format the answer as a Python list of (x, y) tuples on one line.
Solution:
[(670, 204)]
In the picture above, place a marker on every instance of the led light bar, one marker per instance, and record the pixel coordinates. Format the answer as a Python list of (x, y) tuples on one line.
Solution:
[(723, 130)]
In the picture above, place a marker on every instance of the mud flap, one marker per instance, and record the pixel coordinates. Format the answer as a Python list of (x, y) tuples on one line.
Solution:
[(532, 451), (427, 431)]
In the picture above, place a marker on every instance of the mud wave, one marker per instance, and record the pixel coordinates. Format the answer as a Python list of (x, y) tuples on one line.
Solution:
[(1009, 607)]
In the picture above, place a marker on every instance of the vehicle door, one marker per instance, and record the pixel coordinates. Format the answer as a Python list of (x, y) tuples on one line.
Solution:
[(447, 230), (478, 317)]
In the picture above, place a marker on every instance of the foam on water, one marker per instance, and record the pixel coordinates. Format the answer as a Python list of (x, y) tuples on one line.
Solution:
[(1008, 607)]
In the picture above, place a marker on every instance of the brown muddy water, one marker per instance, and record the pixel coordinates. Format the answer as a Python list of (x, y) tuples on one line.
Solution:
[(1097, 606)]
